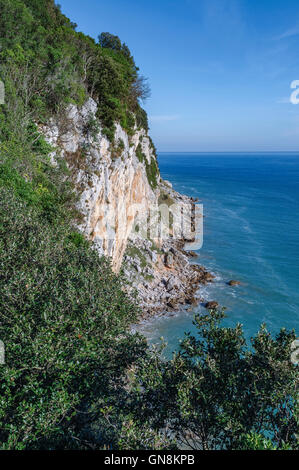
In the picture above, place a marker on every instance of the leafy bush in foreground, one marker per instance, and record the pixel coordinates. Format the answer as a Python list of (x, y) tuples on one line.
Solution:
[(75, 378), (216, 393), (63, 320)]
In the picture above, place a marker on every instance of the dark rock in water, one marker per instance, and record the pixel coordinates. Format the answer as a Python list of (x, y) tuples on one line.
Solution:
[(192, 300), (211, 305), (208, 277), (234, 283), (192, 254), (189, 240)]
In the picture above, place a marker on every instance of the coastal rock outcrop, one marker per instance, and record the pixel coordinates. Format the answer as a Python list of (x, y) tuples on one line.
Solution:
[(160, 287), (119, 184)]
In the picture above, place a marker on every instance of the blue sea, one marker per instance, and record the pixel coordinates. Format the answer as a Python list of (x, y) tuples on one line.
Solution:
[(251, 234)]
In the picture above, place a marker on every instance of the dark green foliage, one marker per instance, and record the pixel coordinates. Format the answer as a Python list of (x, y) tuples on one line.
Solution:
[(78, 239), (153, 146), (141, 119), (31, 177), (63, 322), (92, 127), (109, 133), (109, 41), (152, 170), (255, 441), (139, 154), (218, 394), (46, 64), (63, 313)]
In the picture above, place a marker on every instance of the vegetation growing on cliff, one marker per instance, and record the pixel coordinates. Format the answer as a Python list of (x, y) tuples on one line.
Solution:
[(46, 64), (64, 315), (74, 377), (152, 170)]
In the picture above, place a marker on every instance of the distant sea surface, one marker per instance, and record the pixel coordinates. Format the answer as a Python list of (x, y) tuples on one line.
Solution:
[(251, 234)]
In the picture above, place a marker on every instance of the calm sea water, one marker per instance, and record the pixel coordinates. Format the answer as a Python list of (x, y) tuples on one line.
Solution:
[(251, 234)]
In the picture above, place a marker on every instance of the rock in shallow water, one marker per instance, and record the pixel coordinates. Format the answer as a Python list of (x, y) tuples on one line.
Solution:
[(234, 283), (211, 305), (192, 254)]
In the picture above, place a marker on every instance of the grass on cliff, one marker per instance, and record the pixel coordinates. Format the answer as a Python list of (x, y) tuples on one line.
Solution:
[(152, 170)]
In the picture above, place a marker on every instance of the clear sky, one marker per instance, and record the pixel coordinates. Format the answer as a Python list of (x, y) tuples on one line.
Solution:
[(219, 70)]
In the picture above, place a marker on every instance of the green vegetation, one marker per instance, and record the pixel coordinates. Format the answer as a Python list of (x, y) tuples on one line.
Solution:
[(117, 149), (216, 393), (74, 376), (27, 172), (46, 64), (152, 170), (64, 315), (139, 154), (134, 252), (63, 322), (92, 127)]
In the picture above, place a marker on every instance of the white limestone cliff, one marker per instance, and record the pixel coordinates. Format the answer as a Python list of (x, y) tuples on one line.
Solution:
[(116, 179), (107, 177)]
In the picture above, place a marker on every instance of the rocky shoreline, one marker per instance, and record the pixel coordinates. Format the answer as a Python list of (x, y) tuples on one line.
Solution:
[(163, 274), (118, 177), (166, 287)]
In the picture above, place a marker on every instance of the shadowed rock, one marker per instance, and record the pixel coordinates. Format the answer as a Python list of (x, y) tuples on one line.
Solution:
[(211, 305)]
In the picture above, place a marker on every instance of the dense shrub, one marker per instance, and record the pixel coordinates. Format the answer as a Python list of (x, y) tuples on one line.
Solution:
[(152, 170), (30, 176), (63, 320), (218, 393)]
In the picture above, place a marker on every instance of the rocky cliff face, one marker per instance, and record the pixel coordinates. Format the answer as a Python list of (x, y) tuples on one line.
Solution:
[(119, 185), (111, 179)]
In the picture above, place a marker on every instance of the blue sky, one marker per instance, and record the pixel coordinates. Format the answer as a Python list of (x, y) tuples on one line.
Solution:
[(219, 70)]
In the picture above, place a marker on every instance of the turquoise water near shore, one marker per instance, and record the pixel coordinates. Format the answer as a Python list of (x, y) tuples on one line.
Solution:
[(251, 234)]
